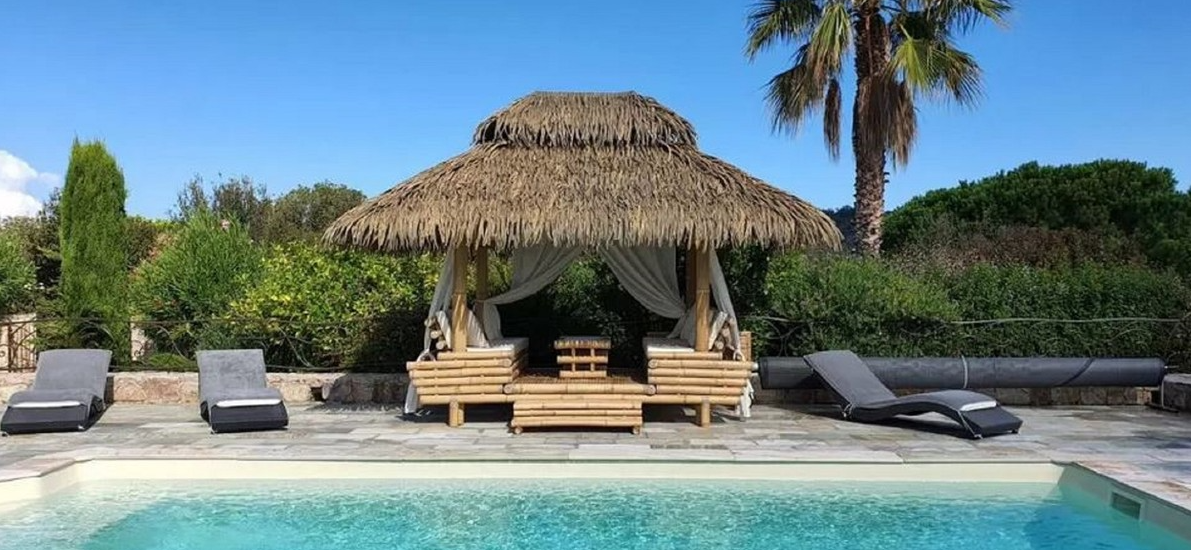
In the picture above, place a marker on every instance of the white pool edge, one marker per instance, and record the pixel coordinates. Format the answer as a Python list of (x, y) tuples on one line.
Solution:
[(39, 486)]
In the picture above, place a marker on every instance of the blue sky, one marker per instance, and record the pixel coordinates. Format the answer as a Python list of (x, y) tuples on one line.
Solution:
[(368, 93)]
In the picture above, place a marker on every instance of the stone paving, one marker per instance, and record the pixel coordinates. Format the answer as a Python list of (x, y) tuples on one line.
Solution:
[(1135, 445)]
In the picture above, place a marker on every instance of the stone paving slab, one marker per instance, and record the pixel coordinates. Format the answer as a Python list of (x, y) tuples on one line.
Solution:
[(1133, 444)]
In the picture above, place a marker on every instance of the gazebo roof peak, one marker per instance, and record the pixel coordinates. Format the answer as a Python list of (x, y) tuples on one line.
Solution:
[(579, 119)]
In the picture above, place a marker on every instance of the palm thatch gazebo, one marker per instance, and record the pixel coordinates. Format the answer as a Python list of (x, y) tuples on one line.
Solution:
[(555, 173)]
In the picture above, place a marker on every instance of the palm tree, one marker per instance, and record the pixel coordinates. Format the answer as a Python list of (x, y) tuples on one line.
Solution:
[(901, 49)]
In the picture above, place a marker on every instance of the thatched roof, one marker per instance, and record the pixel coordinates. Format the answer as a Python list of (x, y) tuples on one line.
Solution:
[(584, 169)]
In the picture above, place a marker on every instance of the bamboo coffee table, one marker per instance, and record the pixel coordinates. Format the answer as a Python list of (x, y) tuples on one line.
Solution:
[(582, 357)]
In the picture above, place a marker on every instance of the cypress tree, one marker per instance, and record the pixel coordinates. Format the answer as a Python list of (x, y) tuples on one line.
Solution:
[(94, 245)]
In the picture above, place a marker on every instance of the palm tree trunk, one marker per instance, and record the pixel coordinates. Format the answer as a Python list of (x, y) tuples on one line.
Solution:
[(868, 139)]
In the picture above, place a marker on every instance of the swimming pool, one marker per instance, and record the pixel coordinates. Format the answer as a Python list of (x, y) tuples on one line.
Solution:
[(629, 514)]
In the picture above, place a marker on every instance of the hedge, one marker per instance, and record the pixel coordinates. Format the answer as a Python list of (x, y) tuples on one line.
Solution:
[(884, 308)]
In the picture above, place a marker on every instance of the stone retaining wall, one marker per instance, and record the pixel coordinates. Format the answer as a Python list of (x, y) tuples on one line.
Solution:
[(1176, 392), (182, 387)]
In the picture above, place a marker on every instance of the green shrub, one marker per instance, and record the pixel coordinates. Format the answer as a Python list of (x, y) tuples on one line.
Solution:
[(1081, 293), (866, 305), (193, 279), (312, 307), (883, 308), (18, 278), (94, 245)]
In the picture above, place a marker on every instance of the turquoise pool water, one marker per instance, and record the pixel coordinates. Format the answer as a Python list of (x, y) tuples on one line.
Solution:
[(606, 514)]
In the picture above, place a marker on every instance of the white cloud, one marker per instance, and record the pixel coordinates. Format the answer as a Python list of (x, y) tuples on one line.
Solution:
[(16, 179)]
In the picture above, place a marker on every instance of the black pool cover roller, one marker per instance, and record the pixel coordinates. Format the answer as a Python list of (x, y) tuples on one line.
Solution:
[(978, 372)]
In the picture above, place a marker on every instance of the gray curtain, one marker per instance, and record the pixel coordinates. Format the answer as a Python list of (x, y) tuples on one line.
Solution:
[(649, 274), (534, 267)]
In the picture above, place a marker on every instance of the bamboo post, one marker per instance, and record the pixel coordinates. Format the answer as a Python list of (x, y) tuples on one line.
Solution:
[(459, 302), (702, 299), (705, 413), (481, 278), (453, 414)]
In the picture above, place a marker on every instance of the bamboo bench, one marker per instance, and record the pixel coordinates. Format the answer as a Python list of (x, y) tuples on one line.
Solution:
[(473, 376), (683, 376)]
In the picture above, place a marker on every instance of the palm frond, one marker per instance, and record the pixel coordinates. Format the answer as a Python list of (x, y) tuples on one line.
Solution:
[(889, 119), (903, 124), (794, 94), (963, 15), (831, 40), (775, 21), (831, 118), (935, 67)]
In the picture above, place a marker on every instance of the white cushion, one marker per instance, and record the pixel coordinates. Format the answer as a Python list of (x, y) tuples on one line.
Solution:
[(475, 332), (978, 406), (233, 403), (46, 405), (513, 345), (666, 345)]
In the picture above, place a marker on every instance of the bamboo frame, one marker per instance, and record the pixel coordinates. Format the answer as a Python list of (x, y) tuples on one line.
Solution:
[(488, 399), (423, 373), (577, 388), (737, 383), (724, 374), (579, 397), (680, 399), (697, 390), (611, 422), (583, 359), (494, 362), (460, 389), (574, 405), (485, 354), (459, 301), (716, 364), (424, 383), (681, 355)]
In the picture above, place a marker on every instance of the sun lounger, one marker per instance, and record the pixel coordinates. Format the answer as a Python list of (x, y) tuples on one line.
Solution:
[(864, 398), (235, 395), (67, 393)]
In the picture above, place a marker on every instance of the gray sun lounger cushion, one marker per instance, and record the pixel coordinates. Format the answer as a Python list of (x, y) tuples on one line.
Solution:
[(864, 398), (67, 393), (234, 393)]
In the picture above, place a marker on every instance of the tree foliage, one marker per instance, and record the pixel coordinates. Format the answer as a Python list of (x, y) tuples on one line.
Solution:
[(1108, 200), (303, 213), (237, 199), (900, 51), (94, 246), (38, 238), (191, 280), (17, 277)]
